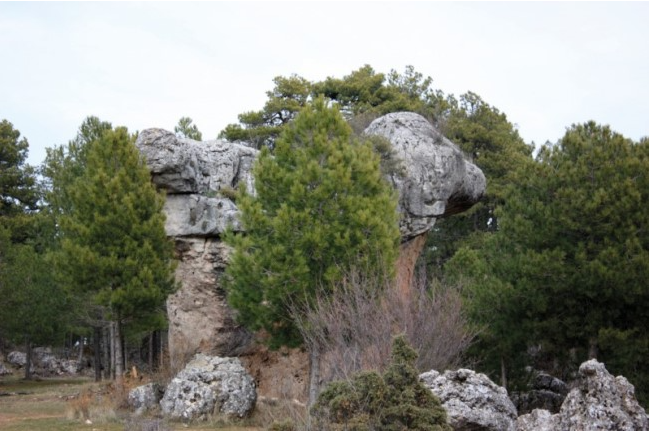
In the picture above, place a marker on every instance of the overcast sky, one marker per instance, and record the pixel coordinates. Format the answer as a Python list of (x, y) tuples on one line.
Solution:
[(546, 65)]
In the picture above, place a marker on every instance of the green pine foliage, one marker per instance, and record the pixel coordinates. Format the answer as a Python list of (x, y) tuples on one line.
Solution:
[(18, 189), (321, 207), (492, 143), (566, 272), (187, 129), (395, 400), (114, 246), (34, 306)]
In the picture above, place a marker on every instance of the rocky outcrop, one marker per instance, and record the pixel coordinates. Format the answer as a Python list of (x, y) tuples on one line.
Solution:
[(17, 358), (537, 420), (210, 386), (44, 363), (546, 392), (599, 401), (199, 177), (438, 180), (145, 397), (199, 316), (185, 166), (4, 370), (472, 400)]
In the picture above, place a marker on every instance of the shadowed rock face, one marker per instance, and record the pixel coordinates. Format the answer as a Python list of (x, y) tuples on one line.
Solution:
[(198, 176)]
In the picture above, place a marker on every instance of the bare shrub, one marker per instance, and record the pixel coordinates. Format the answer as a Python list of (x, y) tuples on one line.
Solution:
[(353, 325)]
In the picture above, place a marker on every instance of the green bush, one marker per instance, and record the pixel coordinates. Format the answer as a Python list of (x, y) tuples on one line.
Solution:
[(395, 400)]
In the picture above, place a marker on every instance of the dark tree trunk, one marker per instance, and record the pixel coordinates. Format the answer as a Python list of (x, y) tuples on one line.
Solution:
[(119, 356), (112, 338), (106, 353), (151, 345), (97, 347)]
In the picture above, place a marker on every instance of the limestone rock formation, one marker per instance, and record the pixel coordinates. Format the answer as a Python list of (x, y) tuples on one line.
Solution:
[(145, 397), (438, 180), (17, 358), (600, 401), (537, 420), (185, 166), (472, 400), (199, 316), (199, 177), (44, 363), (208, 386)]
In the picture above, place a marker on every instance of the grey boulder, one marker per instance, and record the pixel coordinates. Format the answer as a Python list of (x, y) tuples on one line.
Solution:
[(145, 397), (210, 386), (472, 400)]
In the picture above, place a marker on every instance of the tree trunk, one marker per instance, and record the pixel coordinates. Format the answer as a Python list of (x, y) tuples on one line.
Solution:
[(112, 338), (81, 350), (151, 344), (119, 360), (97, 347), (106, 352), (28, 360), (504, 377), (161, 359), (125, 351), (314, 375)]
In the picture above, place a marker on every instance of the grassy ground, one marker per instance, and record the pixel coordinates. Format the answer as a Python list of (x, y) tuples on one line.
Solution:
[(43, 404), (57, 404)]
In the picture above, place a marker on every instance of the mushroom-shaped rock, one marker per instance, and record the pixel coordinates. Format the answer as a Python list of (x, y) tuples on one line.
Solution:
[(438, 180)]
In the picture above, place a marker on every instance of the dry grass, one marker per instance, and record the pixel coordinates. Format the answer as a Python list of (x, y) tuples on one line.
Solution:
[(44, 404), (79, 404)]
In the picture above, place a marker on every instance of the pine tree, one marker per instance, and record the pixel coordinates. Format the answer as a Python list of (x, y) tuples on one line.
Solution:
[(114, 245), (567, 270), (34, 306), (18, 191), (321, 207), (185, 129)]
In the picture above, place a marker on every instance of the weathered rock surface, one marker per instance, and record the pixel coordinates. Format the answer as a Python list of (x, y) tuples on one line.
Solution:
[(537, 420), (546, 392), (472, 400), (44, 363), (199, 316), (4, 370), (209, 386), (145, 397), (438, 180), (17, 358), (199, 216), (181, 165), (600, 401)]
